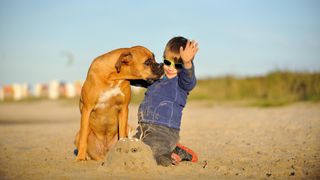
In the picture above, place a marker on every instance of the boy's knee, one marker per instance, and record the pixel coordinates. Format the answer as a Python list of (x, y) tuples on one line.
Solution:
[(164, 160)]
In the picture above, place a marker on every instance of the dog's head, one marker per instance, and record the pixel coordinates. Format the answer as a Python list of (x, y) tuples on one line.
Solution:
[(138, 63)]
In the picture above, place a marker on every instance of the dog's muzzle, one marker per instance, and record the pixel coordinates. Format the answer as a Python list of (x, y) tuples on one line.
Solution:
[(157, 69)]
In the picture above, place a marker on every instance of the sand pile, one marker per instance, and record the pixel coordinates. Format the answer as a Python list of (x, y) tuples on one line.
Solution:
[(130, 154)]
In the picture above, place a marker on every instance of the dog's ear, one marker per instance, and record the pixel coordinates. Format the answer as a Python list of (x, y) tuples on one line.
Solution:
[(123, 59)]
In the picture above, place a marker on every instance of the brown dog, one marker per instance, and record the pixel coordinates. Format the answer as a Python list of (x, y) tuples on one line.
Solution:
[(105, 97)]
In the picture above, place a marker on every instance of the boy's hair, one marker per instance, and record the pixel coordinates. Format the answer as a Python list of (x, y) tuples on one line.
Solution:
[(173, 48)]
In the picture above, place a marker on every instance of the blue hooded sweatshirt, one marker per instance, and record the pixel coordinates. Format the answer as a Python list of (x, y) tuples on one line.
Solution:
[(165, 99)]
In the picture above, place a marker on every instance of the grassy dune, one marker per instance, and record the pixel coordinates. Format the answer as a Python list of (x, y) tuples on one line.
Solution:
[(274, 89)]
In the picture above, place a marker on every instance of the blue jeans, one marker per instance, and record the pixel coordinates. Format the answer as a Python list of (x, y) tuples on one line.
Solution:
[(161, 139)]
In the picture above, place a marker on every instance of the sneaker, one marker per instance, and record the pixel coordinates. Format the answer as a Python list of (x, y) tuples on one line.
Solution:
[(184, 153)]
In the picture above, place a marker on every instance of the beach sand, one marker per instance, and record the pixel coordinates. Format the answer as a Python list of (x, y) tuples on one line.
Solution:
[(232, 142)]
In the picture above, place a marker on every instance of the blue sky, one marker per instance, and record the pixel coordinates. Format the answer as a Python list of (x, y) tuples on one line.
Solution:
[(45, 40)]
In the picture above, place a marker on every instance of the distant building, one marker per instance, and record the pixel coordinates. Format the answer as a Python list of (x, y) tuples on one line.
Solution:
[(14, 92), (41, 90), (1, 94), (17, 92), (25, 90), (8, 92), (53, 90), (78, 86), (70, 90)]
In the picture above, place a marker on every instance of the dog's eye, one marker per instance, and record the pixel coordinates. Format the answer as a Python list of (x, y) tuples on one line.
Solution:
[(148, 62)]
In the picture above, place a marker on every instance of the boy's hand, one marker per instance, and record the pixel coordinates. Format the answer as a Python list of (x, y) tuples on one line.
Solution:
[(187, 54)]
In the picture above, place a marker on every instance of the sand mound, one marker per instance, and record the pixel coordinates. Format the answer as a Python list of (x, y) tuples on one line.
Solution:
[(130, 154)]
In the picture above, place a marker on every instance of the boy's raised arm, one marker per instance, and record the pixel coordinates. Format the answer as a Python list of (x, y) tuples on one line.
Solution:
[(187, 78)]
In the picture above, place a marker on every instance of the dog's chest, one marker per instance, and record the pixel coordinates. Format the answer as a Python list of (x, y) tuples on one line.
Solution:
[(110, 97)]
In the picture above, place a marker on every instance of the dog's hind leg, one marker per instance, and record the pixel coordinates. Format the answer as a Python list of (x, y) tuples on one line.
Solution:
[(97, 148)]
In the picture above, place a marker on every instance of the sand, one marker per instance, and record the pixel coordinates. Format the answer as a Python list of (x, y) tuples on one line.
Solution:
[(129, 154), (232, 141)]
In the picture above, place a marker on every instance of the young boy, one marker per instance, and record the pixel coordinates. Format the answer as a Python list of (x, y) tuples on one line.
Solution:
[(160, 112)]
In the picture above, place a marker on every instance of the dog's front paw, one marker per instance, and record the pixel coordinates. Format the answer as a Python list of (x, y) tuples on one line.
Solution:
[(81, 157)]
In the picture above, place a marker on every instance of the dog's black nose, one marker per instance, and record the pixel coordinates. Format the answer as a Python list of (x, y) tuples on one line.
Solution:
[(157, 69)]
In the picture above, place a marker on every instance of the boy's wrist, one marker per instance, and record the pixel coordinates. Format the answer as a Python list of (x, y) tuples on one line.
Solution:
[(187, 65)]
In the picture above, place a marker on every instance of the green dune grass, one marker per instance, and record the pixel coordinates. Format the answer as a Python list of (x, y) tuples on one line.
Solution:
[(275, 88)]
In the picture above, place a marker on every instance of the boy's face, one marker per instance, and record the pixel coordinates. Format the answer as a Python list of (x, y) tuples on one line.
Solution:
[(170, 71), (169, 68)]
